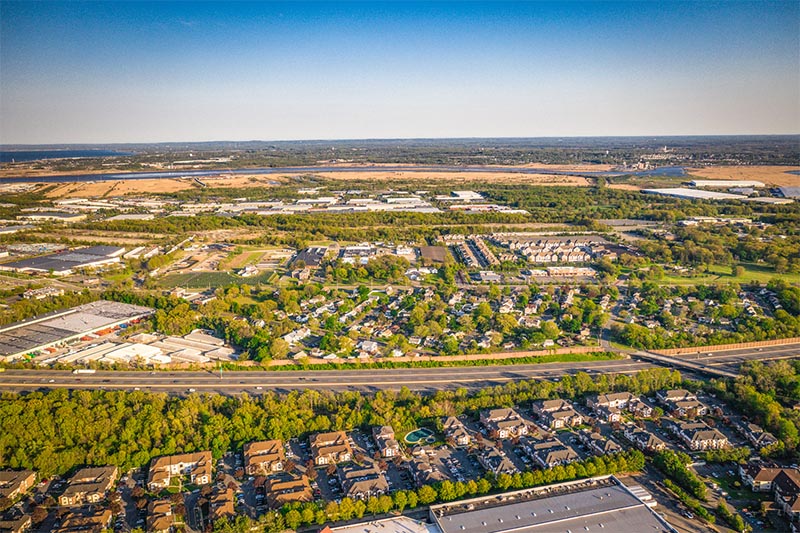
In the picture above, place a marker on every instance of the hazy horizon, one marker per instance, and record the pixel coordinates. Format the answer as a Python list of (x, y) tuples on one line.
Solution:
[(136, 73), (56, 146)]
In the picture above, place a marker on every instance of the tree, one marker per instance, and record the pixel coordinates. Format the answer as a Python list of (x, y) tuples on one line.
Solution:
[(550, 330), (400, 500), (279, 349), (294, 519), (427, 495)]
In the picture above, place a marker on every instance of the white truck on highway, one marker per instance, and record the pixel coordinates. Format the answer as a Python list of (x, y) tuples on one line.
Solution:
[(84, 371)]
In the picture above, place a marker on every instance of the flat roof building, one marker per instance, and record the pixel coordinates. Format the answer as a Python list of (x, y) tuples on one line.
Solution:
[(55, 328), (724, 184), (694, 194), (52, 216), (65, 262), (596, 504)]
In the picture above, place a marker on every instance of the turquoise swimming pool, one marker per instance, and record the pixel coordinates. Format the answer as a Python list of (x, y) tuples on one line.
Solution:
[(420, 435)]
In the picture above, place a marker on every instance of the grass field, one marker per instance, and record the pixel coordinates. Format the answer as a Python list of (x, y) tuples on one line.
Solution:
[(202, 280), (721, 273)]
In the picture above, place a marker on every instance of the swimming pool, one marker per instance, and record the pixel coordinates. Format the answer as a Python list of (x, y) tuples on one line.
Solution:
[(420, 435)]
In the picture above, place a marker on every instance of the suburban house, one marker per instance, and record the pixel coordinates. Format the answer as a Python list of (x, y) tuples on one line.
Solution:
[(14, 483), (674, 395), (598, 444), (688, 408), (699, 436), (682, 403), (495, 461), (88, 485), (287, 489), (196, 466), (787, 494), (557, 414), (504, 423), (548, 406), (221, 503), (159, 516), (564, 418), (86, 520), (363, 482), (19, 525), (758, 477), (456, 431), (550, 453), (424, 472), (617, 400), (387, 444), (331, 448), (640, 409), (263, 457), (609, 414), (643, 439), (609, 406), (757, 436)]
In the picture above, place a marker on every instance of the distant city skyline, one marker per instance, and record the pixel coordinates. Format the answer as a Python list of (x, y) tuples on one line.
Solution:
[(113, 72)]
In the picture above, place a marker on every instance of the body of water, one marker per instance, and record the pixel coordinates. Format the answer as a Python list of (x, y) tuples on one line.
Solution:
[(7, 156)]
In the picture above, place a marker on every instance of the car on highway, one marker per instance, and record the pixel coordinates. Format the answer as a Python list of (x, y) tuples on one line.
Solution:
[(192, 390)]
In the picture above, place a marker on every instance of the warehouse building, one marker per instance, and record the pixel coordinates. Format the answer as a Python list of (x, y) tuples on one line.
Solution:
[(66, 262), (52, 216), (724, 184), (596, 504), (694, 194), (53, 329)]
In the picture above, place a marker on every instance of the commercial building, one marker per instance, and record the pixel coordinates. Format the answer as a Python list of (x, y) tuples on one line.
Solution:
[(596, 504), (52, 329), (51, 216), (724, 184), (694, 194), (66, 262)]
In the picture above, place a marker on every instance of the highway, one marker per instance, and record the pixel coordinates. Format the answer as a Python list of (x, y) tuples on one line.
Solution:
[(255, 382), (371, 380), (732, 359)]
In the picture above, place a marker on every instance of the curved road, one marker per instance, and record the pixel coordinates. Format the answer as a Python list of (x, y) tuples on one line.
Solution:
[(255, 382)]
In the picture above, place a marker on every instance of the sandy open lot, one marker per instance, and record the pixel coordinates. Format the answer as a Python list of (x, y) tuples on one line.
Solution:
[(771, 175), (163, 185), (168, 185), (459, 177)]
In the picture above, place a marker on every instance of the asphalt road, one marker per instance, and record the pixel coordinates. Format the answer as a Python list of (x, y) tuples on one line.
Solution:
[(255, 382), (418, 379), (732, 359)]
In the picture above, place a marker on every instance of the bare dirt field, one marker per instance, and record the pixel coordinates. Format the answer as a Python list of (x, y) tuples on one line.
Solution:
[(624, 187), (771, 175), (168, 185), (466, 177), (162, 185)]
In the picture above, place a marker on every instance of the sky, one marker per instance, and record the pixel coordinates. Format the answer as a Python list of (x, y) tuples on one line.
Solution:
[(109, 72)]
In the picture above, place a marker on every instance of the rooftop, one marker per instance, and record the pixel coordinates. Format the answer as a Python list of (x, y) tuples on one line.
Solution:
[(591, 505)]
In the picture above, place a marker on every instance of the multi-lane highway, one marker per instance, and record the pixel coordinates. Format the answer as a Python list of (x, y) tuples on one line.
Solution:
[(731, 359), (420, 379), (423, 379)]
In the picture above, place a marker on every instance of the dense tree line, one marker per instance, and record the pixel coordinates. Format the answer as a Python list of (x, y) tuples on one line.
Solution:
[(56, 431), (768, 393)]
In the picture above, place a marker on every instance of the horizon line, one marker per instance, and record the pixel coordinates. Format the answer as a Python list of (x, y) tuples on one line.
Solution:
[(391, 139)]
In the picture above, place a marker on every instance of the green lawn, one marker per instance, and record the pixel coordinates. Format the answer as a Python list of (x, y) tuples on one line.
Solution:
[(722, 273)]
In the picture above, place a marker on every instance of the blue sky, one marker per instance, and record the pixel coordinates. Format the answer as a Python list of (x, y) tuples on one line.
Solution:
[(148, 72)]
